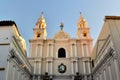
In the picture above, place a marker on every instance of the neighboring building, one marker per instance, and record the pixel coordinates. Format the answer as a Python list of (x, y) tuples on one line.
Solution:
[(106, 53), (61, 56), (13, 58)]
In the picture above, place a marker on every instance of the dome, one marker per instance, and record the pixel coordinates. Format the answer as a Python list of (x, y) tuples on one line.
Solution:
[(62, 35)]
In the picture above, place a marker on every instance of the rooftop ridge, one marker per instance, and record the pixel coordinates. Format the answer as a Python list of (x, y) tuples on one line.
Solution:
[(7, 23), (112, 18)]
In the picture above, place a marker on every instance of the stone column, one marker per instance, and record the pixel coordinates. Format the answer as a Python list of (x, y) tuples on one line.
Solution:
[(36, 50), (71, 51), (48, 50), (116, 69), (76, 63), (89, 67), (87, 50), (104, 75), (30, 50), (7, 71), (22, 76), (40, 67), (13, 76), (51, 70), (110, 74), (52, 59), (84, 69), (33, 77), (52, 50), (41, 50), (100, 76), (34, 67), (18, 75), (97, 78), (82, 50), (75, 50), (38, 77), (46, 66), (72, 67)]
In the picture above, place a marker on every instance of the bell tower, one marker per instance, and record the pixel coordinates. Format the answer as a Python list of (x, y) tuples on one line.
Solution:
[(40, 29), (83, 29), (83, 34)]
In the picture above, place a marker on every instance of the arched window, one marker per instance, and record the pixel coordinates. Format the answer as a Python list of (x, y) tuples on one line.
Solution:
[(38, 35), (61, 53)]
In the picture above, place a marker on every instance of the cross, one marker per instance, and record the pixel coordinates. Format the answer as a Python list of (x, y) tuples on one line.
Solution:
[(61, 25), (80, 13)]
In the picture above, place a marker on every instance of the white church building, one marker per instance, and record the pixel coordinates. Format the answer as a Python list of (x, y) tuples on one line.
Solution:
[(61, 57)]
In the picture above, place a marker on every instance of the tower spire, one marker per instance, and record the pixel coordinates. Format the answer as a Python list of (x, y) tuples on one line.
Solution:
[(41, 22), (83, 29), (80, 14), (40, 30), (82, 22), (42, 15)]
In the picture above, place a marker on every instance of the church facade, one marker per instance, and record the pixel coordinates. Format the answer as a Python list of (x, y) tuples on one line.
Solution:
[(61, 57)]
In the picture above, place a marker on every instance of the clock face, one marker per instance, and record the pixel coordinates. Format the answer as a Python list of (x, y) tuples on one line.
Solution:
[(62, 68)]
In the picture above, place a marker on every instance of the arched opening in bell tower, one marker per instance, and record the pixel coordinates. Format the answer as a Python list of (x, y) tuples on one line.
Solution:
[(61, 53)]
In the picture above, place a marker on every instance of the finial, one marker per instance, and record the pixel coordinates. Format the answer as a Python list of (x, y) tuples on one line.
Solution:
[(61, 25), (80, 14), (42, 14)]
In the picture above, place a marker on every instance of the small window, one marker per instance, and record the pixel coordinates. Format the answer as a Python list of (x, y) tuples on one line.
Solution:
[(61, 53), (92, 63), (85, 34), (38, 35)]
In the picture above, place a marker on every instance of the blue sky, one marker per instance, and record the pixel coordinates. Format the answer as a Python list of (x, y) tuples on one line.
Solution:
[(26, 13)]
